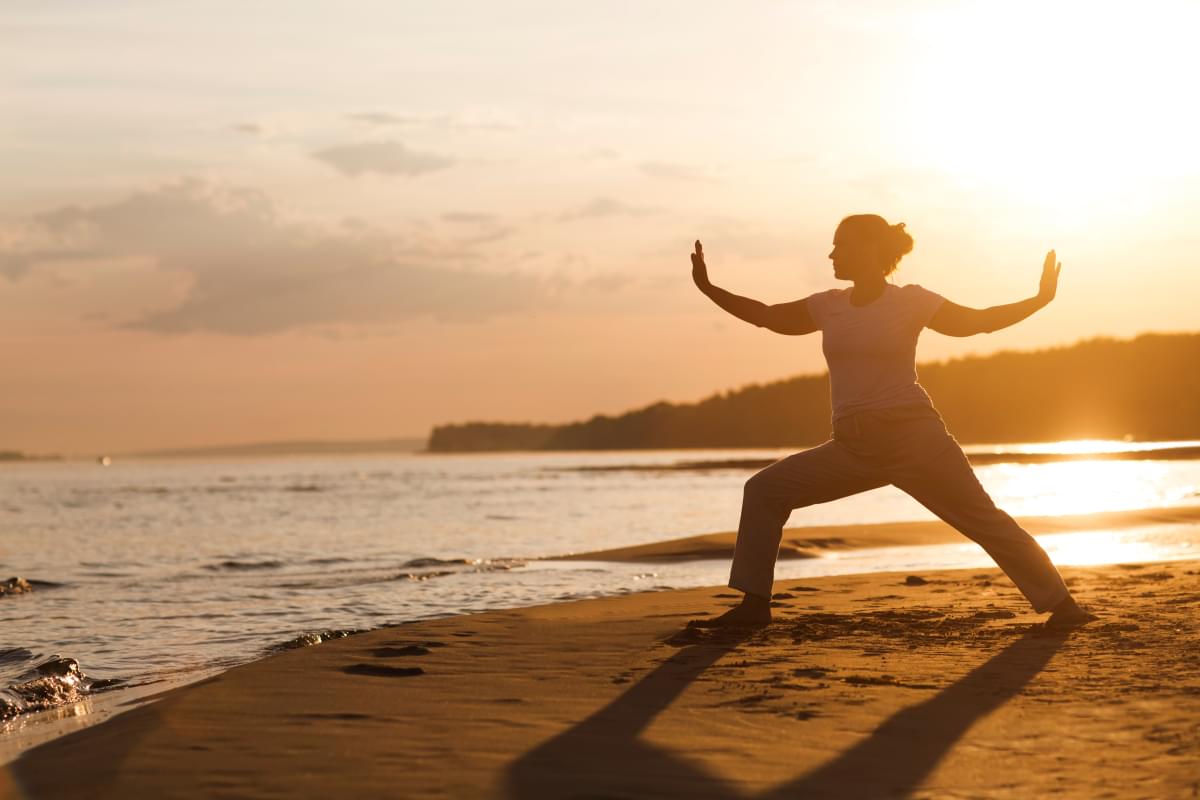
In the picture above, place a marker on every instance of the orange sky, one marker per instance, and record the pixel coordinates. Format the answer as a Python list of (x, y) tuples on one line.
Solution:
[(271, 223)]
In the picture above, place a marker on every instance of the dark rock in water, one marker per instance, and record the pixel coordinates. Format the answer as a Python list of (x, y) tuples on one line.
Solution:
[(15, 586), (915, 580)]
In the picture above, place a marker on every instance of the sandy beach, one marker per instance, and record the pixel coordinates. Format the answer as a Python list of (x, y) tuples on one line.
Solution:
[(938, 685)]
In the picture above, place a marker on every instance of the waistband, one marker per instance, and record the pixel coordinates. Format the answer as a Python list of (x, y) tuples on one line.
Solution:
[(853, 421)]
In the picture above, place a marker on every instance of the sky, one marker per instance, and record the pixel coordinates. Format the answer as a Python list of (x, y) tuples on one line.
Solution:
[(241, 222)]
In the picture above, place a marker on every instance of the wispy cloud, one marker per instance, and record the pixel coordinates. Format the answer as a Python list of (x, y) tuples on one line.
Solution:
[(251, 273), (438, 121), (600, 153), (249, 128), (672, 172), (387, 158), (468, 217), (606, 207)]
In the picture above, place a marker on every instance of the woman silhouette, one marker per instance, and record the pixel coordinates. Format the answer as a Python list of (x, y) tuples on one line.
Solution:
[(885, 428)]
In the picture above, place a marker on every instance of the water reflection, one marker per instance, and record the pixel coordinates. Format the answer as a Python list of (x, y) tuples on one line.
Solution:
[(1082, 487)]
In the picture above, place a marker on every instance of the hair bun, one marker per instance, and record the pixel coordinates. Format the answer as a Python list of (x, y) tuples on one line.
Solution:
[(899, 225)]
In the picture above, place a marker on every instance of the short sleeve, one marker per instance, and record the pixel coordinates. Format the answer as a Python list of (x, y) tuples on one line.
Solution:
[(923, 304), (817, 306)]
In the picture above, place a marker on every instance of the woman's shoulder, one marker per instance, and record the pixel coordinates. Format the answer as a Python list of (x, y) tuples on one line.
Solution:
[(916, 290), (829, 294)]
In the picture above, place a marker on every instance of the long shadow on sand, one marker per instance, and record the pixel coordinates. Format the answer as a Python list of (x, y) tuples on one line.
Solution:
[(602, 756)]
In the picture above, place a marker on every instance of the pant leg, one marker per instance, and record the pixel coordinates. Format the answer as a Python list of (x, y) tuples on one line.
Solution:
[(946, 485), (818, 475)]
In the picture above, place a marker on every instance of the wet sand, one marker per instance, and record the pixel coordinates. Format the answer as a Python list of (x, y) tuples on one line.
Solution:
[(809, 541), (863, 686)]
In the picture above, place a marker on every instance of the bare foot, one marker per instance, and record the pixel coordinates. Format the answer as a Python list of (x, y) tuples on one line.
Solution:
[(754, 612), (1068, 614)]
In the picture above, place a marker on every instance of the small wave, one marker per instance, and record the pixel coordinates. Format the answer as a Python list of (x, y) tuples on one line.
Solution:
[(323, 582), (480, 564), (436, 562), (57, 681), (303, 487), (314, 637), (232, 564)]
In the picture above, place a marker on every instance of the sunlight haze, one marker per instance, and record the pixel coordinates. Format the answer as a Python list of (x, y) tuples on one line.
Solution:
[(231, 223)]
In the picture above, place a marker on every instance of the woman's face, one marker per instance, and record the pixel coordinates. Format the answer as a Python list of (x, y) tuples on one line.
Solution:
[(853, 256)]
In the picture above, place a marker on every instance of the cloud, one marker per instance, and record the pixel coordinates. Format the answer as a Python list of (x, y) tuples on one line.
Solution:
[(606, 207), (469, 217), (672, 172), (388, 158), (251, 273), (249, 128), (14, 264), (381, 118), (445, 122), (600, 153)]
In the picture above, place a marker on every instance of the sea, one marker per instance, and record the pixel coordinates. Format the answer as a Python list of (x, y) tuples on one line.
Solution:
[(149, 574)]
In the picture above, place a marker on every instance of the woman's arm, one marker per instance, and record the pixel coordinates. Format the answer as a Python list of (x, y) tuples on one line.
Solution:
[(788, 318), (952, 319)]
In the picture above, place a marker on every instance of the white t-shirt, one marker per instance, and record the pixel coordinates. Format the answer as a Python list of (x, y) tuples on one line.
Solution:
[(871, 350)]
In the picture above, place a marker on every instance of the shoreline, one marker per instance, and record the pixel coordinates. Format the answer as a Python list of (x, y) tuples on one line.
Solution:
[(37, 727), (810, 541), (860, 678)]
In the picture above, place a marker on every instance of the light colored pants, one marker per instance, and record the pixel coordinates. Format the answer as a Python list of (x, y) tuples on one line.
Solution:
[(910, 448)]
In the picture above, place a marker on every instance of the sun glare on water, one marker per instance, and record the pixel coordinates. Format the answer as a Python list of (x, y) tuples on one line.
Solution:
[(1084, 487), (1116, 547)]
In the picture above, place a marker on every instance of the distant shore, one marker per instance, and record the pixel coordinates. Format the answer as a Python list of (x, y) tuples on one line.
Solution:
[(865, 685)]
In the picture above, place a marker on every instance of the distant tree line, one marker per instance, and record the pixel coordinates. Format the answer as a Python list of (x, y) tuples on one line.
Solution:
[(1146, 388)]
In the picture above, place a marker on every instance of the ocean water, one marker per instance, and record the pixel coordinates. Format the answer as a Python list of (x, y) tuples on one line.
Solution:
[(151, 573)]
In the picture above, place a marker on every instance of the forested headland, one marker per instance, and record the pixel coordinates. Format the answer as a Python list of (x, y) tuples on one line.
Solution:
[(1145, 388)]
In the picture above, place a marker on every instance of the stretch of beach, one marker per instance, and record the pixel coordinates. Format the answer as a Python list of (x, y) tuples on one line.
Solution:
[(942, 684)]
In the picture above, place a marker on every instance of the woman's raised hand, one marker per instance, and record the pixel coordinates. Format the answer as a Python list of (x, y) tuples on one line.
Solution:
[(699, 268), (1049, 284)]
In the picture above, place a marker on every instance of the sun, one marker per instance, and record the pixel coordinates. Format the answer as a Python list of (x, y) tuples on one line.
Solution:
[(1076, 107)]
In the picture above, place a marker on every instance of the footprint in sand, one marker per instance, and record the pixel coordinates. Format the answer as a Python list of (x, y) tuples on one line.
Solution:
[(409, 642), (395, 652), (382, 671)]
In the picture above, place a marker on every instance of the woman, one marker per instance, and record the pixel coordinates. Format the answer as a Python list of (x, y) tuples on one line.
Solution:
[(885, 428)]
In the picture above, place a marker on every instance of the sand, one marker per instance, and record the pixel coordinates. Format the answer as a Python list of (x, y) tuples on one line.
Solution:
[(863, 686), (808, 541)]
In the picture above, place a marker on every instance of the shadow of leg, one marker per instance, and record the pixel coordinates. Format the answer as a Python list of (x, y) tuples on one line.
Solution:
[(602, 755), (893, 760)]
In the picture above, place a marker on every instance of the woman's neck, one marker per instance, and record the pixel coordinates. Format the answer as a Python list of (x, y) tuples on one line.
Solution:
[(867, 290)]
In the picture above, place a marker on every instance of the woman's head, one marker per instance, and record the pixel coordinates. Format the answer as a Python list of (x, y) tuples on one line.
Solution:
[(865, 245)]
